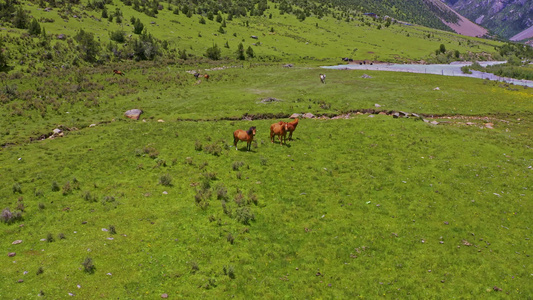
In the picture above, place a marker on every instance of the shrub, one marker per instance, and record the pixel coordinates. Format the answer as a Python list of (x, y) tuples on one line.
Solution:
[(55, 187), (244, 215), (17, 188), (230, 238), (67, 189), (198, 146), (49, 238), (34, 28), (236, 165), (41, 206), (61, 236), (222, 192), (39, 271), (213, 53), (8, 217), (165, 180), (112, 229), (239, 198), (230, 271), (88, 265), (88, 197), (118, 36)]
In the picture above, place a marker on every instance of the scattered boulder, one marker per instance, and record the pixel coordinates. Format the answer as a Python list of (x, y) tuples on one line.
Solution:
[(377, 105), (11, 254), (434, 122), (366, 76), (295, 116), (288, 66), (16, 242), (489, 125), (61, 36), (92, 125), (436, 89), (164, 296), (57, 131), (254, 37), (161, 121), (308, 116), (133, 114)]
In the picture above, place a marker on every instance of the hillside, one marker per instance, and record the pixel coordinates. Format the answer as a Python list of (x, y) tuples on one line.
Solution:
[(505, 18), (37, 36)]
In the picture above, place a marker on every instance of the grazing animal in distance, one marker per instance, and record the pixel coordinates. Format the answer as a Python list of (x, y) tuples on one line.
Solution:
[(323, 78), (291, 127), (279, 129), (196, 75), (206, 76), (241, 135), (117, 72)]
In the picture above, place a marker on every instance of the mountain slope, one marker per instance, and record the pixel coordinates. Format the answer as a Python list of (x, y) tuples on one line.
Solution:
[(505, 18)]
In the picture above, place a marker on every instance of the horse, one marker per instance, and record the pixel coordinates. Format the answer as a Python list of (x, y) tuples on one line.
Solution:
[(241, 135), (291, 126), (196, 75), (279, 129), (323, 78), (117, 72), (206, 76)]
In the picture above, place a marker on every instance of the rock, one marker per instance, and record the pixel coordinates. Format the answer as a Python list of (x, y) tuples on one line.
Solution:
[(288, 66), (415, 115), (16, 242), (396, 115), (161, 121), (366, 76), (57, 131), (371, 116), (133, 114), (20, 281), (377, 105), (308, 116), (61, 36), (270, 99), (92, 125), (470, 123), (295, 116), (405, 114), (434, 122), (164, 296), (489, 125), (254, 37), (11, 254), (436, 89)]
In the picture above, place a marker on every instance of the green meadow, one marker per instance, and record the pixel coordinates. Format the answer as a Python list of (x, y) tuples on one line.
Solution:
[(366, 205), (359, 204)]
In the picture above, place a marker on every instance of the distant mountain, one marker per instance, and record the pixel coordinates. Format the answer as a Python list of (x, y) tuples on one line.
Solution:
[(505, 18), (431, 13)]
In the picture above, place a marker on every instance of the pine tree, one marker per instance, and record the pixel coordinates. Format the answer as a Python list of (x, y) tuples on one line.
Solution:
[(35, 28)]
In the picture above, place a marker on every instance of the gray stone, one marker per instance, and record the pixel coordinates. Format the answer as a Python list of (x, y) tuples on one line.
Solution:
[(308, 116), (133, 114), (295, 116)]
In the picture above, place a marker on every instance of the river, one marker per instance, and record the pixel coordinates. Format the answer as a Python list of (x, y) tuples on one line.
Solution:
[(453, 69)]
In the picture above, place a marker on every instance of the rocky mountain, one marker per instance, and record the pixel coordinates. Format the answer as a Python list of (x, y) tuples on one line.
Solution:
[(505, 18)]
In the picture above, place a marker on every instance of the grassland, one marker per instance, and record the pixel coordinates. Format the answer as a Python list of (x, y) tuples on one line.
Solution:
[(369, 206)]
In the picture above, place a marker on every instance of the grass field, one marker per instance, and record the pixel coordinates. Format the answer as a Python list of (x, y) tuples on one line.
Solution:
[(370, 206)]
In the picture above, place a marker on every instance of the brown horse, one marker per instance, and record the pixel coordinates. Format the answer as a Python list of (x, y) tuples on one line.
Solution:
[(279, 129), (291, 126), (206, 76), (117, 72), (241, 135)]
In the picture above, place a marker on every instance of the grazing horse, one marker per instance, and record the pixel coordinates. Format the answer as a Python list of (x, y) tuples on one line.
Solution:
[(291, 126), (117, 72), (206, 76), (241, 135), (279, 129), (323, 78), (196, 75)]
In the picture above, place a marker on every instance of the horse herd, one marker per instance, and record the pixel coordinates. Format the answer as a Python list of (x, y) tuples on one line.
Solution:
[(279, 129)]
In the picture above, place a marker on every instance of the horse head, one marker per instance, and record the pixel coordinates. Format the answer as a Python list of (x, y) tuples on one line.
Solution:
[(251, 131)]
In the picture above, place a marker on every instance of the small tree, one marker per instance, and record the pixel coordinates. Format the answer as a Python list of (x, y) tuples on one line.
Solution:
[(202, 20), (442, 48), (35, 28), (213, 52), (250, 52), (138, 27), (21, 19), (240, 52)]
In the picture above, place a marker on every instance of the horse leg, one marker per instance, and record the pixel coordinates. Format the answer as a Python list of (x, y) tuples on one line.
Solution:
[(235, 141)]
